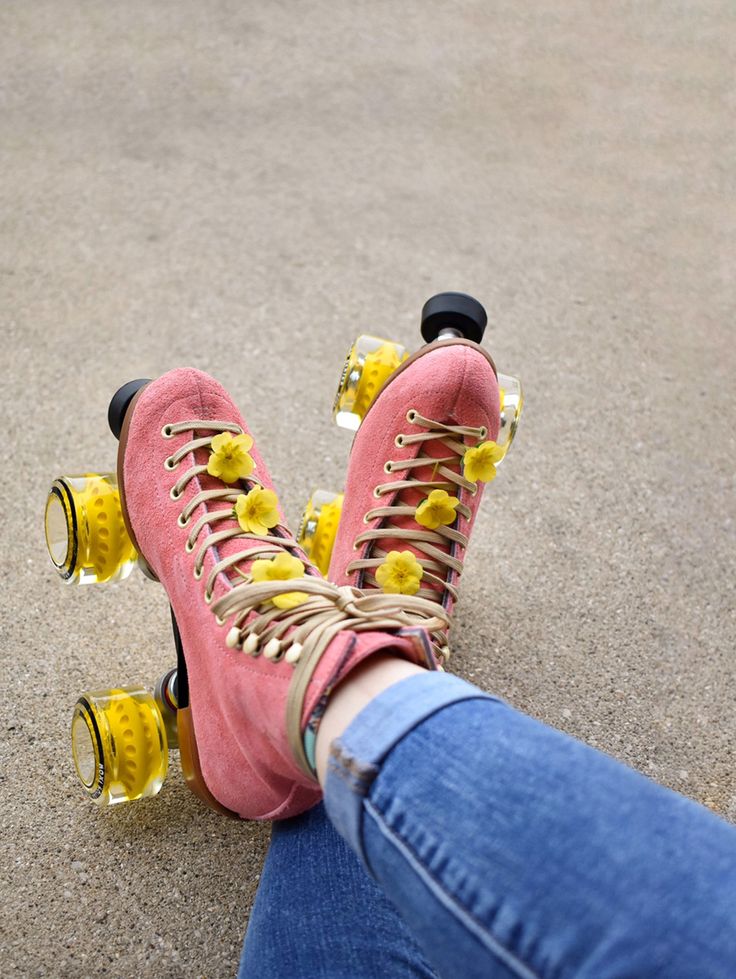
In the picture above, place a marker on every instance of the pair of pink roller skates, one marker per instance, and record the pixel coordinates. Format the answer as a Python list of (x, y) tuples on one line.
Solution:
[(261, 636)]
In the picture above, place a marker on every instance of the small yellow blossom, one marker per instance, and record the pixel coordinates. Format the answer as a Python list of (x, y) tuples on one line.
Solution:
[(479, 463), (283, 567), (400, 573), (230, 460), (257, 511), (439, 508)]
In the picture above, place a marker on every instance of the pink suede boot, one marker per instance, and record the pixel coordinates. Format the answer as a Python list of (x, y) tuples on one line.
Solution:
[(424, 451), (263, 638)]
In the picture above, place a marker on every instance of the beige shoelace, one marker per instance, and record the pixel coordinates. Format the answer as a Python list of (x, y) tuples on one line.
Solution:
[(299, 635), (437, 548)]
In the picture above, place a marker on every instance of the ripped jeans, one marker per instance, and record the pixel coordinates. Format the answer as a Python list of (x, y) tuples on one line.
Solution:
[(465, 839)]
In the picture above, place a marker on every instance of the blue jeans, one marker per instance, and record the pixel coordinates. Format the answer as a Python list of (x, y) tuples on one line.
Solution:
[(502, 848)]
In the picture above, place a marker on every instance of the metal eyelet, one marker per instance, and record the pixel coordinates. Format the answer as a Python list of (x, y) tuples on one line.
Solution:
[(356, 547), (166, 432), (208, 596), (173, 494), (399, 441), (411, 415), (181, 522), (483, 432), (387, 467), (169, 464), (377, 493), (188, 547), (366, 519), (197, 573)]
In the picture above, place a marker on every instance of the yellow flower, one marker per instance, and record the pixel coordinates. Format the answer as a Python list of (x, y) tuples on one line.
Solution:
[(283, 567), (230, 460), (439, 508), (257, 511), (400, 573), (479, 463)]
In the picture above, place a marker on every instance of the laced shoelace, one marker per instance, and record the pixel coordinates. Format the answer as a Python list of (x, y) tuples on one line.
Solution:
[(300, 635), (436, 549), (271, 545)]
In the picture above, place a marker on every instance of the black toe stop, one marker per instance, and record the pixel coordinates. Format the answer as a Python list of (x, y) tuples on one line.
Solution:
[(119, 404), (456, 311)]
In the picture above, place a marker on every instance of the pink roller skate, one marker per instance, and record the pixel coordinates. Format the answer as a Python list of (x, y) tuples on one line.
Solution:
[(431, 430)]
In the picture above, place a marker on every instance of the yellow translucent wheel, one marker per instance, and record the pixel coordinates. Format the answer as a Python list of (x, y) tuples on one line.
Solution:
[(318, 529), (119, 745), (85, 532), (369, 364), (512, 401)]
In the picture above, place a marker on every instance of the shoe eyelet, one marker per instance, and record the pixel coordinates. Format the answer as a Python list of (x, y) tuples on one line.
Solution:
[(399, 441), (483, 432), (197, 573), (377, 493), (365, 518), (166, 432), (208, 596), (173, 494), (356, 546), (388, 467), (181, 522), (188, 547), (169, 464), (219, 621), (411, 415)]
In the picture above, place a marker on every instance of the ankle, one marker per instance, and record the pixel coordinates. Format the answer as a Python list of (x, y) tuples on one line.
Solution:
[(356, 691)]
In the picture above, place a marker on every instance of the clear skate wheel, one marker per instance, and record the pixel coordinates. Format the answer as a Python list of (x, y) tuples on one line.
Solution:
[(119, 745), (512, 401), (318, 528), (85, 532), (369, 364)]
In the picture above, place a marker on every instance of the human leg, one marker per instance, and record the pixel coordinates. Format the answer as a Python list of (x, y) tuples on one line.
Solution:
[(310, 874), (514, 850), (318, 913), (228, 619), (262, 639)]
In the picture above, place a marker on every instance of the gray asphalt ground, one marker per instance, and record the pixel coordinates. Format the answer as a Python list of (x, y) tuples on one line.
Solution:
[(244, 187)]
